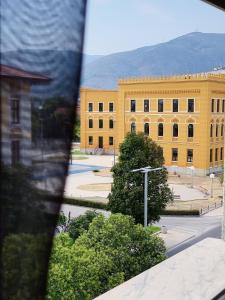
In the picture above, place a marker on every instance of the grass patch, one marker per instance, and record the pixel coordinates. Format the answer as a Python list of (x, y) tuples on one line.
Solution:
[(153, 229), (80, 157), (78, 152)]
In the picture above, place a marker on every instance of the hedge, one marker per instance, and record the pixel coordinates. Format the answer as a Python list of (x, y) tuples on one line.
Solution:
[(85, 203), (100, 205)]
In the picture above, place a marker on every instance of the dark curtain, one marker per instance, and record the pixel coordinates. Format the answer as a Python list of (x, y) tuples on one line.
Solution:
[(41, 53)]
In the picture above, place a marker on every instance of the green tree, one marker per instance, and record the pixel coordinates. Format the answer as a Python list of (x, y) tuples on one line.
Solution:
[(112, 250), (79, 273), (80, 224), (130, 246), (127, 191)]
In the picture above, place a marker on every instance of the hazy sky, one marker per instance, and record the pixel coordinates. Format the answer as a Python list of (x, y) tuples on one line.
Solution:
[(119, 25)]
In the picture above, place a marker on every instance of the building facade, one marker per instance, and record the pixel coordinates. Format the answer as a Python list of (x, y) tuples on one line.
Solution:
[(183, 114), (15, 114)]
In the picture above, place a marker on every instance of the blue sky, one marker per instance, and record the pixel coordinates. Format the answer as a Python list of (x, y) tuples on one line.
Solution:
[(120, 25)]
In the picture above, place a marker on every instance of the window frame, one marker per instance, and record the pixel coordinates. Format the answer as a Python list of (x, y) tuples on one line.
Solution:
[(111, 124), (160, 127), (148, 131), (172, 153), (15, 110), (177, 105), (133, 127), (148, 105), (99, 104), (190, 136), (111, 103), (132, 105), (90, 140), (161, 105), (100, 123), (190, 156), (90, 104), (190, 111), (111, 141), (90, 122)]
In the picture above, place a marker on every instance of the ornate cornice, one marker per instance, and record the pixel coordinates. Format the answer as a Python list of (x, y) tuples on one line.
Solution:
[(163, 92), (218, 92)]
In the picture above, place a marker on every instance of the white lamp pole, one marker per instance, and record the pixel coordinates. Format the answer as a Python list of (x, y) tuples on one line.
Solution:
[(211, 176), (146, 170)]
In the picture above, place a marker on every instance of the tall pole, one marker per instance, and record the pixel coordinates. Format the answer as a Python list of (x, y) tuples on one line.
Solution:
[(146, 200), (145, 171)]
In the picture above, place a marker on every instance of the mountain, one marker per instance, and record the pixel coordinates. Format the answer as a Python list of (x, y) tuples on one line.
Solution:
[(191, 53), (58, 65)]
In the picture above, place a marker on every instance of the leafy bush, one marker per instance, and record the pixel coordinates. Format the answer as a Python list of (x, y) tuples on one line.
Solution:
[(79, 225), (111, 251)]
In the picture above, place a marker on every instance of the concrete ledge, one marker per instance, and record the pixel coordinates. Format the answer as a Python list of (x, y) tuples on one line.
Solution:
[(194, 274)]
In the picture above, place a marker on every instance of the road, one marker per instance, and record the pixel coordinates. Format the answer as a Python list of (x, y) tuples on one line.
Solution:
[(184, 231)]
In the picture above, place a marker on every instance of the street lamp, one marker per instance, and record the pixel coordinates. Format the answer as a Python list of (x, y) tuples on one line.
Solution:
[(146, 170), (40, 108), (211, 176), (192, 168)]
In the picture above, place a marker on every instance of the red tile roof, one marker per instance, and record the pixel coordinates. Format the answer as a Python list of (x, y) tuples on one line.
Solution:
[(11, 72)]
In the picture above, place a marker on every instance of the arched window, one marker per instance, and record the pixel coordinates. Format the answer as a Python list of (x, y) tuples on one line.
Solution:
[(190, 130), (222, 128), (146, 129), (211, 130), (217, 129), (133, 127), (175, 130), (160, 129)]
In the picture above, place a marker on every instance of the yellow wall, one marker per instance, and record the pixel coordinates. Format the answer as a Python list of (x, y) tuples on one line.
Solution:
[(201, 88)]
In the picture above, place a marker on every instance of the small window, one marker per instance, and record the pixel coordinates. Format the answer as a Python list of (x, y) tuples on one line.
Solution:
[(212, 105), (110, 123), (222, 129), (216, 154), (160, 129), (90, 123), (90, 140), (133, 127), (191, 105), (111, 140), (218, 105), (211, 130), (100, 123), (15, 152), (190, 155), (190, 130), (111, 107), (100, 107), (175, 130), (217, 129), (175, 105), (223, 106), (133, 105), (221, 153), (90, 107), (211, 155), (15, 110), (174, 154), (160, 105), (146, 129), (146, 105)]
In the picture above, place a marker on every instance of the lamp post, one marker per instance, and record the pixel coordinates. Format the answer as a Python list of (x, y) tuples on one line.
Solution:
[(42, 133), (192, 168), (211, 176), (146, 170)]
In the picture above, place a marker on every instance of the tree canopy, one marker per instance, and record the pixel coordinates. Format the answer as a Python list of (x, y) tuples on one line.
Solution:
[(127, 195), (111, 251)]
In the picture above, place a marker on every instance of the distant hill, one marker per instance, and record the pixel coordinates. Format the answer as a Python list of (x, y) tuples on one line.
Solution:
[(58, 65), (190, 53)]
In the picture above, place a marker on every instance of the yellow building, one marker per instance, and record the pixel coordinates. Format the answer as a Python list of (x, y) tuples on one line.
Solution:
[(183, 114)]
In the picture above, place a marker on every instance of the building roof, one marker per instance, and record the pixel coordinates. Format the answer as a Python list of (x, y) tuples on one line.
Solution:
[(11, 72)]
